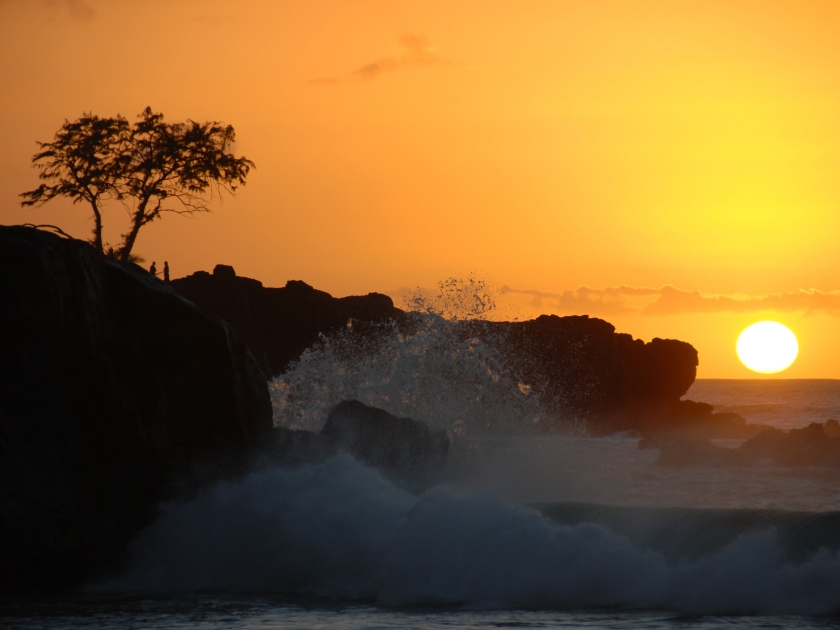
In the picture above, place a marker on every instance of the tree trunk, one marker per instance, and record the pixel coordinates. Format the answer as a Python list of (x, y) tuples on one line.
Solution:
[(97, 229), (136, 224)]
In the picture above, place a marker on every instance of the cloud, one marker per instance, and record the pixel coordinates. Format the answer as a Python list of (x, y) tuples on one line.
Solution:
[(78, 10), (669, 300), (609, 301), (673, 301), (416, 50)]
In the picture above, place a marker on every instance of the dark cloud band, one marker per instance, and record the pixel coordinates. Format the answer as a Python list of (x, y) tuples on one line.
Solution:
[(669, 300)]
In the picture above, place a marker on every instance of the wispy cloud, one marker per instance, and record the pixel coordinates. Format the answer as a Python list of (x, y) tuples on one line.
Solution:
[(669, 300), (415, 50), (80, 10), (77, 10), (673, 301)]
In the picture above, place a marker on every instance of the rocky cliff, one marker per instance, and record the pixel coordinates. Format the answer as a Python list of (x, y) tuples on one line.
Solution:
[(277, 325), (581, 368), (115, 393), (578, 366)]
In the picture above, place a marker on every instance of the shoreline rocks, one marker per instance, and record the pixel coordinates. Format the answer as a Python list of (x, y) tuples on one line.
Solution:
[(277, 325), (814, 446), (404, 450), (580, 368), (116, 393)]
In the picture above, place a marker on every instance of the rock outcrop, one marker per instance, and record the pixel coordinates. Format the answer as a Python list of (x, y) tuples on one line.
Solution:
[(115, 393), (277, 325), (404, 450), (578, 366), (581, 368), (810, 447)]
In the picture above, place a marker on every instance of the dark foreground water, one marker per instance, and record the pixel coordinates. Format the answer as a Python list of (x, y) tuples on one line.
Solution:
[(212, 612), (782, 403), (522, 532)]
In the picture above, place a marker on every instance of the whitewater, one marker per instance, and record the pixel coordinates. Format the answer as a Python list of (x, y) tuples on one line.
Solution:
[(522, 529)]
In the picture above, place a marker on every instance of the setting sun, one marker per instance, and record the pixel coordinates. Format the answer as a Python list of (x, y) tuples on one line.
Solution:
[(767, 347), (426, 308)]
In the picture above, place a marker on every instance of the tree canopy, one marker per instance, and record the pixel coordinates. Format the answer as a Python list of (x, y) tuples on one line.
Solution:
[(151, 167), (83, 162)]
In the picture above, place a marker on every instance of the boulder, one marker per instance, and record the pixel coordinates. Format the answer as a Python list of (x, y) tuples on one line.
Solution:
[(403, 449), (116, 393), (810, 446), (686, 450), (697, 420)]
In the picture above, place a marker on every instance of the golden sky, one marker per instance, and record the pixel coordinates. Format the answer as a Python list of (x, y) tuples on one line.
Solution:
[(679, 158)]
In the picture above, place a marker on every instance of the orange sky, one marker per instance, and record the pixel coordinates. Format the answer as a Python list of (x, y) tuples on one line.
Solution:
[(545, 145)]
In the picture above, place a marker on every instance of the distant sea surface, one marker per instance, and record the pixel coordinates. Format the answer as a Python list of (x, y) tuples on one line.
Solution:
[(470, 554), (214, 612), (782, 403)]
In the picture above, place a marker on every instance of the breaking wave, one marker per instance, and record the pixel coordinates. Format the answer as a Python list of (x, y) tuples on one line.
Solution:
[(425, 367), (340, 531)]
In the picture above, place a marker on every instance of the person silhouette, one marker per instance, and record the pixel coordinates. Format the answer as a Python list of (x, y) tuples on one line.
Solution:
[(153, 269), (166, 272)]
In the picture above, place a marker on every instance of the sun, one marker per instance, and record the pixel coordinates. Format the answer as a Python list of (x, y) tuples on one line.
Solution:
[(767, 347)]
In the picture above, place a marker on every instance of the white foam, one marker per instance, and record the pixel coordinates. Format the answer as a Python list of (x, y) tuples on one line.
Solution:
[(339, 530)]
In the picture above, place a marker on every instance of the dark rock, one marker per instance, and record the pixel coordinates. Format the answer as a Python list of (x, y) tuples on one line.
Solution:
[(764, 446), (824, 454), (578, 366), (832, 428), (685, 450), (292, 448), (277, 325), (799, 442), (696, 420), (581, 368), (402, 448), (115, 394), (807, 447), (224, 271)]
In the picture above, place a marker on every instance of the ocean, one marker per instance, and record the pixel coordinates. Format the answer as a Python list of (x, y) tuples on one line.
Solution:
[(782, 403), (524, 531)]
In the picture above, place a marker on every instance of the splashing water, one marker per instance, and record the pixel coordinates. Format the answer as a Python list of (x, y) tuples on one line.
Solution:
[(428, 370), (456, 299), (424, 367)]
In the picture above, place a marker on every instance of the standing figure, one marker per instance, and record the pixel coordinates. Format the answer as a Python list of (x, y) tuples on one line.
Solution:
[(166, 272), (153, 269)]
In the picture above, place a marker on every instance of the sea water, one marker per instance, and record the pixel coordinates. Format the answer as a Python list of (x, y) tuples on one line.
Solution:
[(782, 403), (515, 535)]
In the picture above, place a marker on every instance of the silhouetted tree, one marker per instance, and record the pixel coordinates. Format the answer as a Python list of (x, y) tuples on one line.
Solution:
[(145, 166), (181, 162), (83, 162)]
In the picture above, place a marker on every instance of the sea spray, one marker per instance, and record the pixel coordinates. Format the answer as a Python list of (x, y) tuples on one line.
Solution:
[(425, 368), (340, 531), (457, 299)]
